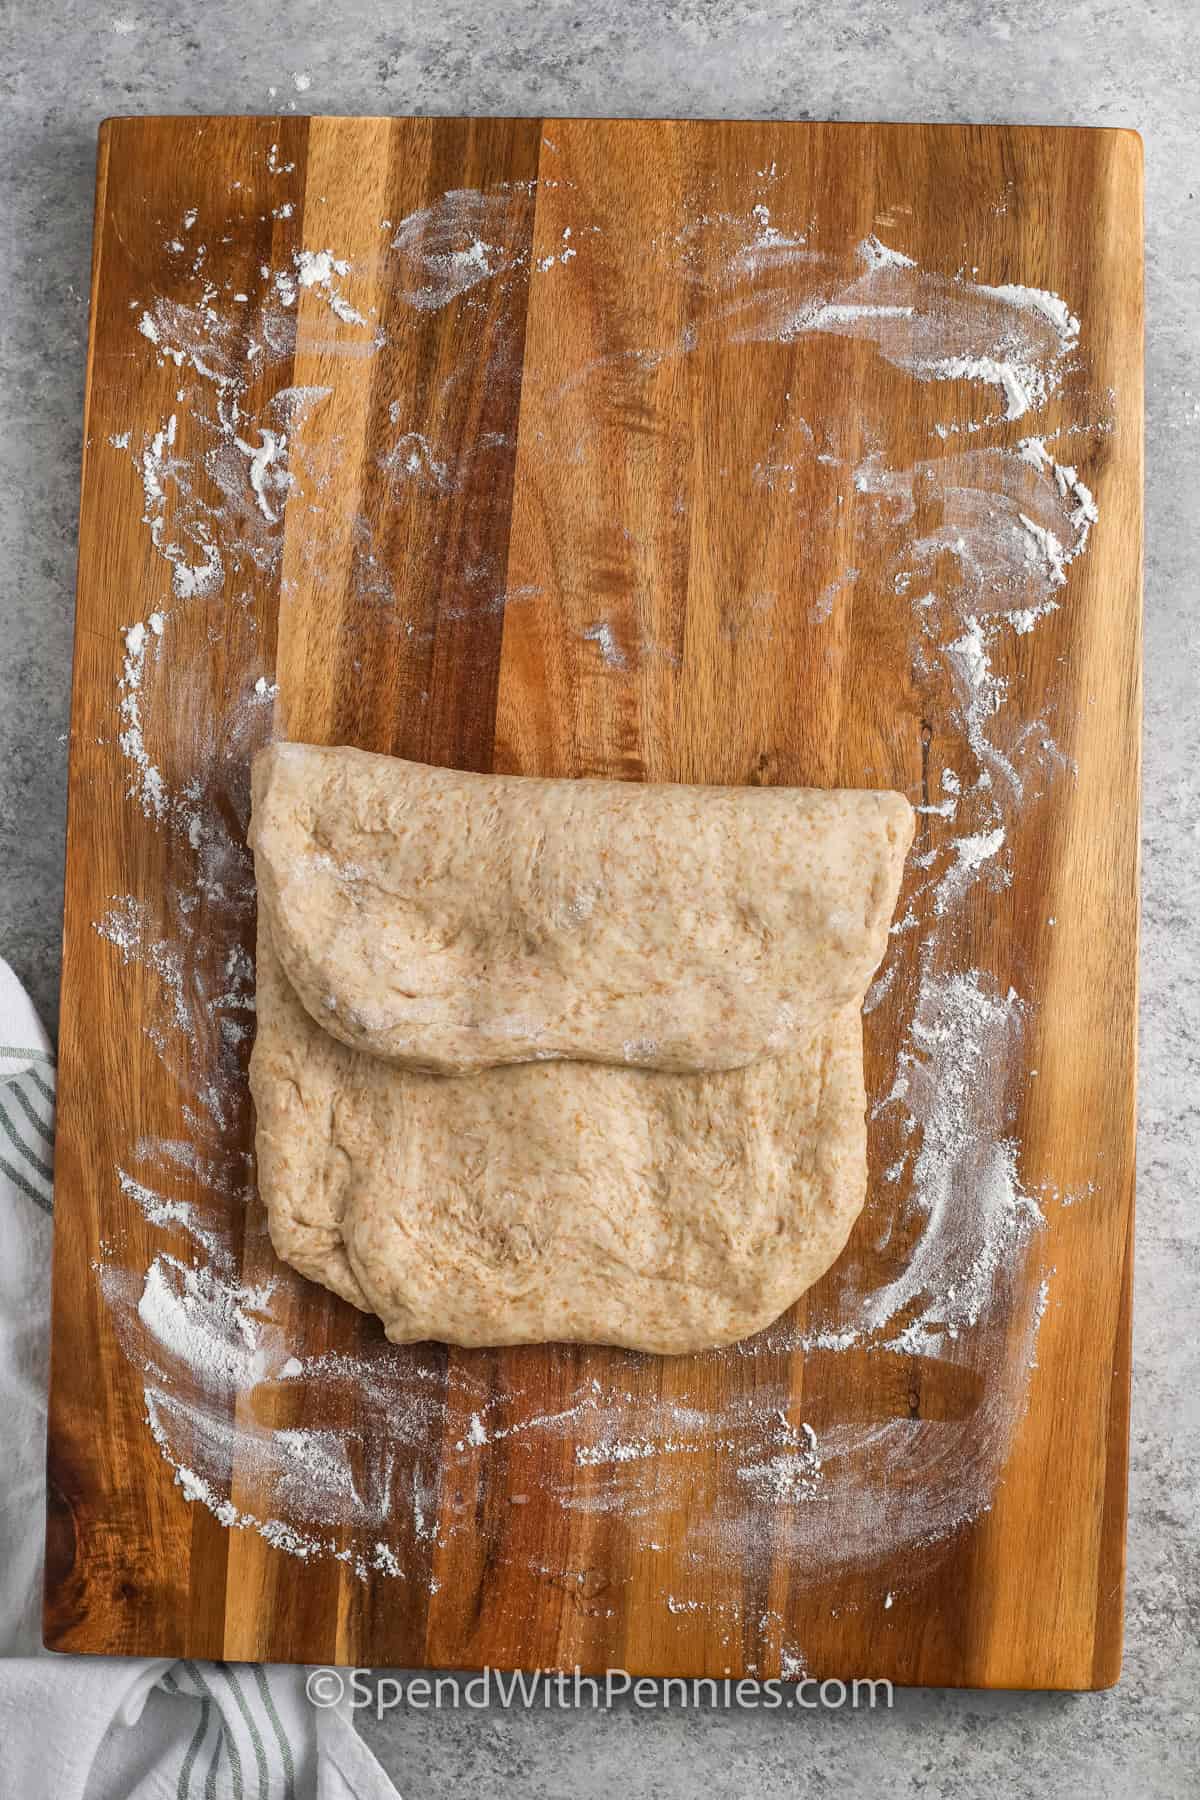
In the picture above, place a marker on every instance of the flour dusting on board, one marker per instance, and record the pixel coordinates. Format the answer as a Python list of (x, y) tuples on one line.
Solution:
[(1014, 339), (346, 1456)]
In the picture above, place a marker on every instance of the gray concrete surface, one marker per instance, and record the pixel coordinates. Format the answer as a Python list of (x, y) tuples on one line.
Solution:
[(63, 67)]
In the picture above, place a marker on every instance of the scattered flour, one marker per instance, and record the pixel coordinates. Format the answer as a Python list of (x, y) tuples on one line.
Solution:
[(410, 460), (935, 327), (209, 1326), (949, 1087), (317, 269), (146, 783), (443, 251), (970, 854), (604, 637)]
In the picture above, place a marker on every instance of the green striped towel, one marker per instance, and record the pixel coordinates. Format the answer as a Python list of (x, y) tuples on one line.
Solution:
[(26, 1096), (105, 1728)]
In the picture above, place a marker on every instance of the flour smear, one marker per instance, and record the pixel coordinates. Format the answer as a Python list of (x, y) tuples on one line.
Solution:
[(977, 540)]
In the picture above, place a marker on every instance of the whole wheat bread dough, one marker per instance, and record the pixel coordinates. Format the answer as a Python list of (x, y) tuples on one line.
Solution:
[(649, 1147), (451, 922)]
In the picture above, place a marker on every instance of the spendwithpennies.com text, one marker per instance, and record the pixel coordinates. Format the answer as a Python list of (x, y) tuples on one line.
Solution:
[(570, 1690)]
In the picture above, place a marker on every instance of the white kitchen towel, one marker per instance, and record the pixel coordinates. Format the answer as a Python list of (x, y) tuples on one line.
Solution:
[(106, 1728)]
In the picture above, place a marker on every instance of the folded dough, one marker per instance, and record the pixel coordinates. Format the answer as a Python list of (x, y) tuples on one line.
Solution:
[(451, 922), (661, 1143)]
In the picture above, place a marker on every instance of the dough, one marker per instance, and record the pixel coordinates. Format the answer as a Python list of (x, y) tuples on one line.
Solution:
[(635, 1190), (451, 922)]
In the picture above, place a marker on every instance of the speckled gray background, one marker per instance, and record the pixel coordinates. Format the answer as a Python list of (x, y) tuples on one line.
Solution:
[(63, 67)]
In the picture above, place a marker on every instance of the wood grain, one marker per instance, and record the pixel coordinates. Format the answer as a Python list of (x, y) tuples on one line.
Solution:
[(614, 460)]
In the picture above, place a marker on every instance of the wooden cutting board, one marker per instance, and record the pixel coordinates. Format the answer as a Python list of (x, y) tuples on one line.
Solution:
[(710, 452)]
